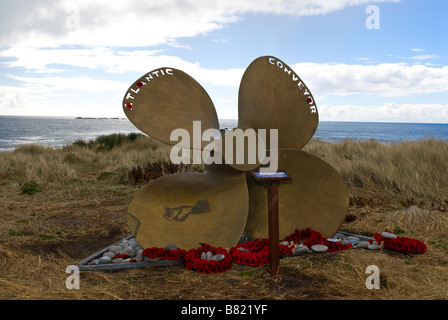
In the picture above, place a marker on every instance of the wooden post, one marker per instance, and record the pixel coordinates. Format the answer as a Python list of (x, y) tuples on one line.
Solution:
[(273, 182), (274, 254)]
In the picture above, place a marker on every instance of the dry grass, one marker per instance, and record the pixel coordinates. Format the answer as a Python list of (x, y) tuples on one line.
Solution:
[(85, 190), (404, 173)]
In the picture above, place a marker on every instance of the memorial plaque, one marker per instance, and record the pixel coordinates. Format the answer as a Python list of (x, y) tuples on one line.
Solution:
[(275, 176)]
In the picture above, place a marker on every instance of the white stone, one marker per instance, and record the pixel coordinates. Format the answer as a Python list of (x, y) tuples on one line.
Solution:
[(139, 256), (218, 257), (117, 260), (104, 260), (208, 256), (109, 254), (285, 243), (133, 244), (373, 246), (171, 247), (388, 235), (363, 244), (319, 248), (115, 249), (129, 251), (353, 238), (301, 248)]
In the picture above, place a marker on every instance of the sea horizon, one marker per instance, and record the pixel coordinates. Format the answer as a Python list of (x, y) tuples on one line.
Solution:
[(58, 131), (224, 119)]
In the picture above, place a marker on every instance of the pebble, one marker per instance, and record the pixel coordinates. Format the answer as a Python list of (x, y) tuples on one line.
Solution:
[(115, 249), (104, 260), (92, 262), (285, 243), (373, 246), (300, 249), (170, 247), (218, 257), (129, 251), (209, 256), (388, 235), (127, 246), (363, 244), (132, 243), (139, 256), (352, 238), (319, 248), (243, 249), (344, 242), (109, 254)]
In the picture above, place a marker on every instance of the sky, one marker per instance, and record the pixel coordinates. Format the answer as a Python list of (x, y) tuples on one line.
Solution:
[(363, 60)]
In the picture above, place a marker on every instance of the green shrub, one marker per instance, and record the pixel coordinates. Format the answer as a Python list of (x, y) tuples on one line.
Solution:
[(116, 139), (30, 187)]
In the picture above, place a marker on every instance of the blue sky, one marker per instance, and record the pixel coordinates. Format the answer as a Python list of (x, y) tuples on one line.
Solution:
[(78, 58)]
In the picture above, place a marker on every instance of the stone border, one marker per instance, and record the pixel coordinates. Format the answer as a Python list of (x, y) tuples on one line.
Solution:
[(85, 266)]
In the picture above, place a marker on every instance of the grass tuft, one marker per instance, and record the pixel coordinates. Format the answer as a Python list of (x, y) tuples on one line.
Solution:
[(30, 187)]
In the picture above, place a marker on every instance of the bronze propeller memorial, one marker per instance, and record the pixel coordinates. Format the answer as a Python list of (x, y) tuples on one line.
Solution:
[(220, 204)]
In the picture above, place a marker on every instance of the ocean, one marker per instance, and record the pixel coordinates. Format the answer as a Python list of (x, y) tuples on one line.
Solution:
[(57, 132)]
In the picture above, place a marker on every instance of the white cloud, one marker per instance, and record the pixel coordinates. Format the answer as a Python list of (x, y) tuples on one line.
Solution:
[(417, 50), (12, 98), (386, 79), (388, 112), (139, 61), (49, 23), (425, 57), (51, 84)]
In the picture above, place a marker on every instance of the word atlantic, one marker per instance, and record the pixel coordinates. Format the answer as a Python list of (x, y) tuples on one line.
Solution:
[(148, 77), (300, 84)]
